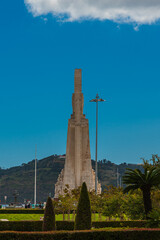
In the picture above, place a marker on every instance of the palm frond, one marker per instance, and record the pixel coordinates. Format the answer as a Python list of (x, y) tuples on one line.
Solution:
[(134, 178), (130, 188)]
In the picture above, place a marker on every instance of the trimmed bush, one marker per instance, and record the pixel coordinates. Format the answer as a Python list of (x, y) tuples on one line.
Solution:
[(66, 225), (26, 226), (31, 226), (119, 224), (49, 216), (129, 234), (21, 211), (83, 216)]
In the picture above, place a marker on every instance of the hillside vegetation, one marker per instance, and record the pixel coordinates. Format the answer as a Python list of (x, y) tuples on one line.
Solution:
[(21, 178)]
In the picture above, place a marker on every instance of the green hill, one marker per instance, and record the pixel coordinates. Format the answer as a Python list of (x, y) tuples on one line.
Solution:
[(21, 178)]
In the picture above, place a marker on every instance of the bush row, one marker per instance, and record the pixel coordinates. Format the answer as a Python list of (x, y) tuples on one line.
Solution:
[(22, 211), (117, 224), (130, 234), (21, 226), (32, 226), (65, 225)]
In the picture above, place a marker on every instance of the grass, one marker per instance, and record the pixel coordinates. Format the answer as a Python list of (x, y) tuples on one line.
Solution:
[(36, 217)]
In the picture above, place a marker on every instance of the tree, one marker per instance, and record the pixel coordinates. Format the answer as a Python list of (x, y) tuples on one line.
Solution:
[(83, 217), (68, 202), (49, 216), (132, 205), (135, 179), (113, 203), (93, 201), (153, 162)]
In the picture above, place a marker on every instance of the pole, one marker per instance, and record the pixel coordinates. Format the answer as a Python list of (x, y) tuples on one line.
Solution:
[(96, 167), (120, 182), (35, 176), (96, 100), (117, 178)]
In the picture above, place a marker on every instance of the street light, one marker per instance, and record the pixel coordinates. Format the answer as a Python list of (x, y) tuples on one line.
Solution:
[(35, 176), (15, 194), (97, 99), (5, 199)]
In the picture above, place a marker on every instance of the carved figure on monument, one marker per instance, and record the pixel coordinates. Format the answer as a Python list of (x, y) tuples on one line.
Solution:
[(78, 168)]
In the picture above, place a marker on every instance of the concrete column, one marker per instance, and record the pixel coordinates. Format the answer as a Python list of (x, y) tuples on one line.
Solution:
[(78, 81), (78, 155)]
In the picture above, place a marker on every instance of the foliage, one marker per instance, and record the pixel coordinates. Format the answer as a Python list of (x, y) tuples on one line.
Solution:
[(154, 218), (132, 205), (67, 201), (118, 224), (113, 205), (109, 234), (121, 205), (66, 225), (21, 211), (83, 217), (21, 226), (97, 204), (155, 196), (49, 216), (135, 179), (154, 161), (48, 171)]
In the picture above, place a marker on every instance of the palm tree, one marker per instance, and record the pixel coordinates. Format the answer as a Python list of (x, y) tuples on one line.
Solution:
[(135, 179)]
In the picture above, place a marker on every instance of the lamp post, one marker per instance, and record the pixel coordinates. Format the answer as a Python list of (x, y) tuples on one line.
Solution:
[(15, 194), (35, 177), (5, 199), (96, 100)]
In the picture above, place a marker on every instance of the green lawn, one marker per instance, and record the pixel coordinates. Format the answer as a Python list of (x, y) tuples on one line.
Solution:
[(21, 217)]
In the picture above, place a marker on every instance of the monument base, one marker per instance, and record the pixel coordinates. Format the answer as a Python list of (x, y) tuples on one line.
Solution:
[(59, 186)]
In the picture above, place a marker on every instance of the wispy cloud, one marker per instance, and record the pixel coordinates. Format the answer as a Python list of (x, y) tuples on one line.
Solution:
[(122, 11)]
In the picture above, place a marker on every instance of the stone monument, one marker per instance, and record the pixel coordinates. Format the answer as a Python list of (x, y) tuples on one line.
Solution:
[(78, 168)]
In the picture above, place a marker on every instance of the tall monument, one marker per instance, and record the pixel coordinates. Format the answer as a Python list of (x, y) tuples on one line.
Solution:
[(78, 168)]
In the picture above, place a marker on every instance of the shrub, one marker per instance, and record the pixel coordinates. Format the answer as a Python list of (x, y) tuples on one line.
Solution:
[(21, 226), (21, 211), (49, 216), (133, 205), (154, 218), (127, 234), (64, 225), (118, 224), (30, 226), (83, 217), (113, 206)]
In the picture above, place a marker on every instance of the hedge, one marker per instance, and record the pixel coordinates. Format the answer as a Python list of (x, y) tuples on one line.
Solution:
[(65, 225), (28, 226), (22, 211), (117, 224), (32, 225), (129, 234)]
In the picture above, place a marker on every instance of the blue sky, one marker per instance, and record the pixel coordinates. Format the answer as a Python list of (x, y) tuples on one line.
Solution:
[(38, 56)]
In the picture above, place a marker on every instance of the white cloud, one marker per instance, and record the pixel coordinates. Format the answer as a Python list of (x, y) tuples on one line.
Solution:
[(138, 11)]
